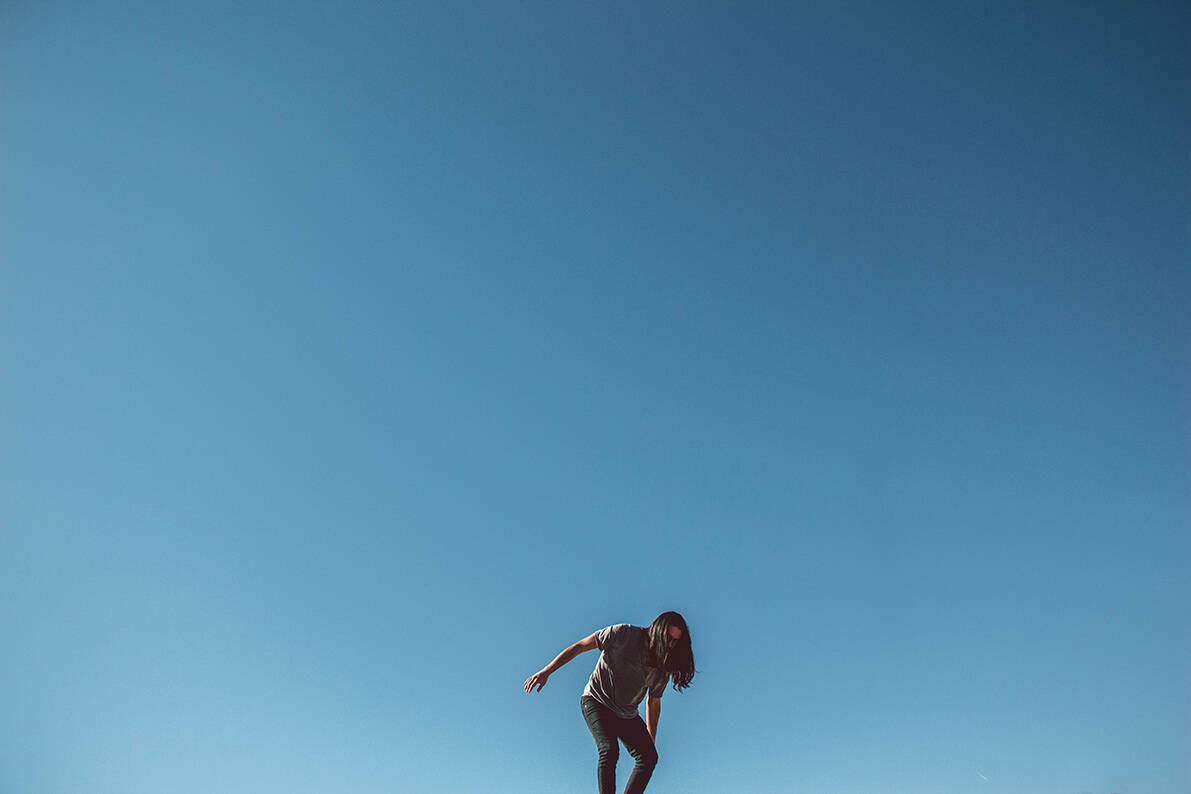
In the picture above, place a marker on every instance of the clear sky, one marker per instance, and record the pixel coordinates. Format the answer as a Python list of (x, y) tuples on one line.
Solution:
[(359, 357)]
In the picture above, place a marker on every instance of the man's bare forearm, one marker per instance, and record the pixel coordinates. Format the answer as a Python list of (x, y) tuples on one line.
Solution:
[(564, 657), (653, 713)]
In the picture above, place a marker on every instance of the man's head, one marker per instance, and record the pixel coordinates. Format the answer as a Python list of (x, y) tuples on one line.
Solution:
[(670, 646)]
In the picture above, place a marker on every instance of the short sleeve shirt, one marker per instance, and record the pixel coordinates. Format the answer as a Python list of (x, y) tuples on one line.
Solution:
[(621, 678)]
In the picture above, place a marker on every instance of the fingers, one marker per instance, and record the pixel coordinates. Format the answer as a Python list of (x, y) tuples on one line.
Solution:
[(538, 680)]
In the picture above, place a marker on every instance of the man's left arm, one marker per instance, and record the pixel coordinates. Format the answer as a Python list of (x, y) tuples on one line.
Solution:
[(653, 711)]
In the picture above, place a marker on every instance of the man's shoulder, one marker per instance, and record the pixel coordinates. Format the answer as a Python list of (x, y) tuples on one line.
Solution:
[(628, 629), (622, 631)]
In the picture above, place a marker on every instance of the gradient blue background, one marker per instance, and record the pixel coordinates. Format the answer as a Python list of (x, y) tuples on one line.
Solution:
[(357, 358)]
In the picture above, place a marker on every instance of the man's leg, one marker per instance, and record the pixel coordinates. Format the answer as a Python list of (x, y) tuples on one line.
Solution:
[(602, 724), (636, 738)]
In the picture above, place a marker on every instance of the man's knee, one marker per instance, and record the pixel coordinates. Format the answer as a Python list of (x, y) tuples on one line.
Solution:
[(646, 757), (609, 752)]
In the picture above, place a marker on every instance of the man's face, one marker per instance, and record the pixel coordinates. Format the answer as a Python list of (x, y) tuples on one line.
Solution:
[(675, 636)]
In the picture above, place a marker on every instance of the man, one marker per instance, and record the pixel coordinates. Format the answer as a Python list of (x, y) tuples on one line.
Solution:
[(634, 661)]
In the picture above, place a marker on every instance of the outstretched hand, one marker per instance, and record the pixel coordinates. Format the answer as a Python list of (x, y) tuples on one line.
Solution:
[(538, 680)]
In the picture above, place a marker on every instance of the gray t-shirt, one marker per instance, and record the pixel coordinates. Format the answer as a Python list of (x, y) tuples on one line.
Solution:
[(621, 679)]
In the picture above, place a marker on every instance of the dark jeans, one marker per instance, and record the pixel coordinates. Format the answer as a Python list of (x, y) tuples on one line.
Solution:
[(606, 727)]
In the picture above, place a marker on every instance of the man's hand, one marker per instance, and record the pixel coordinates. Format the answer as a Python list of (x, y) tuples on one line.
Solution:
[(537, 679)]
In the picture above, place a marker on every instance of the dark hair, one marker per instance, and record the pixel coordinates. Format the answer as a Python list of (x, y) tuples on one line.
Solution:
[(678, 662)]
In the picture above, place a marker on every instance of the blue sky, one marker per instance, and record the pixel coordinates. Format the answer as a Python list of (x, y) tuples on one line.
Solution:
[(357, 358)]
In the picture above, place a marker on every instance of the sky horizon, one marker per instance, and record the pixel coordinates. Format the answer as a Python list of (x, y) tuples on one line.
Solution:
[(357, 359)]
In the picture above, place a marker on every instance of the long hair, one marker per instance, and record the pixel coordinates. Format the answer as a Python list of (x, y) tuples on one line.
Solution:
[(677, 662)]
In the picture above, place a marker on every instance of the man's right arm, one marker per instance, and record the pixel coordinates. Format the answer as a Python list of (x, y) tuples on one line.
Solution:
[(539, 679)]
